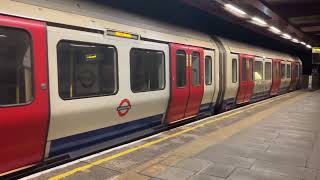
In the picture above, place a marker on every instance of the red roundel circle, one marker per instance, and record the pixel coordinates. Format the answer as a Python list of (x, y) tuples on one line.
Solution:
[(124, 107)]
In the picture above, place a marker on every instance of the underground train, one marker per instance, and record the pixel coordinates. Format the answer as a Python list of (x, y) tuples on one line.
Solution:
[(76, 76)]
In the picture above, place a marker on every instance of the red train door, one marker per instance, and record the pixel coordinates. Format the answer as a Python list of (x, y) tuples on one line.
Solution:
[(250, 83), (293, 76), (246, 84), (243, 79), (24, 108), (187, 85), (276, 77), (196, 81)]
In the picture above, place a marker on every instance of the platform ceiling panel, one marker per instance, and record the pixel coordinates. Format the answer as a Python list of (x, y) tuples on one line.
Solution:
[(302, 14)]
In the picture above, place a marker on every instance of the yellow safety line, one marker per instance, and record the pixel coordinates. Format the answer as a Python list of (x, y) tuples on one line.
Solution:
[(109, 158)]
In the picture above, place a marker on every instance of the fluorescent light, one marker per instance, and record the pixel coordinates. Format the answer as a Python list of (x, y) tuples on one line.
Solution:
[(286, 36), (2, 36), (235, 9), (308, 46), (303, 43), (259, 21), (275, 30), (295, 40)]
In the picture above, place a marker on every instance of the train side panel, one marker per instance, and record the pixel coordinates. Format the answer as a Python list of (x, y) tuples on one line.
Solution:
[(231, 73), (84, 110), (210, 73), (24, 102), (216, 78)]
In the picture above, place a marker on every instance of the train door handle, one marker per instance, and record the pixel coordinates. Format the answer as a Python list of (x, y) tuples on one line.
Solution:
[(44, 86)]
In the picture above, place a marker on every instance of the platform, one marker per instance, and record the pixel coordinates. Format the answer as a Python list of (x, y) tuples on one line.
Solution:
[(276, 139)]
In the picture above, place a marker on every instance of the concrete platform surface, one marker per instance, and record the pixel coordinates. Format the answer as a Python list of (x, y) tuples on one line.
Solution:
[(277, 139)]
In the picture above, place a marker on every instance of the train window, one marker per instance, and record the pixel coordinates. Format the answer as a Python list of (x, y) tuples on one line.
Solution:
[(16, 73), (288, 71), (267, 71), (234, 71), (258, 74), (181, 68), (244, 69), (195, 69), (147, 70), (250, 69), (208, 72), (86, 69), (283, 71)]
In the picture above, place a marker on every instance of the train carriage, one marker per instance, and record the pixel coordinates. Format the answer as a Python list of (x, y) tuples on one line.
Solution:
[(77, 81)]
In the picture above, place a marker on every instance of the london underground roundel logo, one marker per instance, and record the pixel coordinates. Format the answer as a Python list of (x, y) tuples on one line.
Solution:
[(124, 107)]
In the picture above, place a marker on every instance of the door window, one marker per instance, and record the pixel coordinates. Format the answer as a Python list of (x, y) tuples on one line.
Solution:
[(250, 69), (86, 69), (268, 71), (288, 70), (16, 71), (258, 74), (181, 68), (208, 70), (195, 69), (244, 69), (283, 71)]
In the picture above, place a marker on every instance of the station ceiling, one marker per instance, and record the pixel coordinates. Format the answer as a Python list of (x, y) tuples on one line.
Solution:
[(302, 14), (210, 16), (298, 18)]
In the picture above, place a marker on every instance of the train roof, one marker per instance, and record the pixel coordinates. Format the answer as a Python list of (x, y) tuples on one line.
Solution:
[(94, 16), (244, 48), (91, 15)]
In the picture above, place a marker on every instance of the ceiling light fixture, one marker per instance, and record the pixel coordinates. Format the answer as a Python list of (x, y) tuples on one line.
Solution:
[(303, 43), (295, 40), (286, 36), (259, 21), (234, 9), (275, 30), (309, 46)]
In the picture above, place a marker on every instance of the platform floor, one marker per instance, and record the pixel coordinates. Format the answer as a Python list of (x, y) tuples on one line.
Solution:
[(277, 139)]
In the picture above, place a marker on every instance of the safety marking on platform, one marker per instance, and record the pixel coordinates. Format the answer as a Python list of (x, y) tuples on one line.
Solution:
[(123, 153)]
